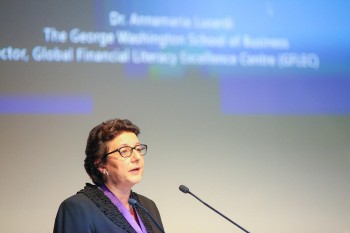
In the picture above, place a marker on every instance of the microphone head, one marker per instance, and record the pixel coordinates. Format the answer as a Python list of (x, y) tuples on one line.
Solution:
[(184, 189), (133, 202)]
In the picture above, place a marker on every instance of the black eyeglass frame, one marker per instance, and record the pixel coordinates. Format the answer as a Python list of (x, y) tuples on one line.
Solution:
[(143, 147)]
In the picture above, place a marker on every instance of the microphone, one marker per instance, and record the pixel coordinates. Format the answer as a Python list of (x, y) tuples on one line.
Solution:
[(184, 189), (135, 203)]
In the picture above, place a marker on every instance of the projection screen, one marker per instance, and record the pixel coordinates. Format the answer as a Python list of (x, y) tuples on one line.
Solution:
[(247, 103)]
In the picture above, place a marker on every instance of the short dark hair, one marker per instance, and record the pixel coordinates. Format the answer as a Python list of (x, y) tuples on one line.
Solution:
[(96, 146)]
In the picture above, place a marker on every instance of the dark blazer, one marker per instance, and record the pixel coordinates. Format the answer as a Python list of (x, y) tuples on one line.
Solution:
[(90, 211)]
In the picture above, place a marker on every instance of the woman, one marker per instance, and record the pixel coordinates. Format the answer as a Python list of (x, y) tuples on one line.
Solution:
[(114, 161)]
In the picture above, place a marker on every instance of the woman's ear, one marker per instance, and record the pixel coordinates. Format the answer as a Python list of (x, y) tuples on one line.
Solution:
[(100, 166)]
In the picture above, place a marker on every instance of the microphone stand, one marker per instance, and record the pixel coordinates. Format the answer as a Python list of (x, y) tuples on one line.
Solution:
[(186, 190)]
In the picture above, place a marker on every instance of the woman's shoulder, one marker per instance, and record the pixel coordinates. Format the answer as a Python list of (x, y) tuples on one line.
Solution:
[(80, 198), (149, 205), (145, 201), (142, 198), (76, 200)]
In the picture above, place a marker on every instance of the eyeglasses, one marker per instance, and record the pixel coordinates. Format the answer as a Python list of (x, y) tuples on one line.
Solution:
[(126, 151)]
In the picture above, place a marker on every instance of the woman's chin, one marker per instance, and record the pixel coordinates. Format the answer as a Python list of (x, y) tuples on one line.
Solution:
[(135, 180)]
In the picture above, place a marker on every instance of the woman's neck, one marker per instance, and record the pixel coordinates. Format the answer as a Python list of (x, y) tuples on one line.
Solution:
[(123, 194)]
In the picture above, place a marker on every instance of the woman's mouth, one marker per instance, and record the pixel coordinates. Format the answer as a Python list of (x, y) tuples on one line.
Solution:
[(135, 170)]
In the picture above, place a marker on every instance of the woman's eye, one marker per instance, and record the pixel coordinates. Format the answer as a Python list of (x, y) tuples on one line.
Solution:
[(124, 151), (139, 150)]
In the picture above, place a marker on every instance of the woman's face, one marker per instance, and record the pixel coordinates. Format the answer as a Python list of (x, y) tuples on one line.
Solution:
[(124, 172)]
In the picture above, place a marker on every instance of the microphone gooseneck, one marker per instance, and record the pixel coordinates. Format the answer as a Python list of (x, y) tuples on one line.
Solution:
[(135, 204), (184, 189)]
